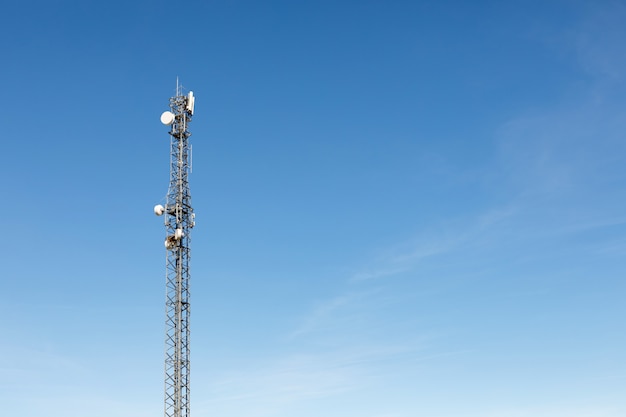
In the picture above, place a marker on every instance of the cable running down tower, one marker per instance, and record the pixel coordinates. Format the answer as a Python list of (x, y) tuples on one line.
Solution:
[(179, 220)]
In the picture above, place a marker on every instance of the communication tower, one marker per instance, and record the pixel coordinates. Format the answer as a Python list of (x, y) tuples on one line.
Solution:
[(179, 220)]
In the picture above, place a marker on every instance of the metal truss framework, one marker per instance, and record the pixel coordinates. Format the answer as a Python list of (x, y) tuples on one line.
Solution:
[(179, 220)]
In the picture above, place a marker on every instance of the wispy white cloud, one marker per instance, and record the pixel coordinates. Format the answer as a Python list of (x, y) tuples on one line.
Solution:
[(554, 411), (308, 380), (555, 165), (325, 312), (295, 379), (28, 366), (548, 173), (406, 256), (37, 380), (328, 356), (454, 236), (379, 273), (599, 41)]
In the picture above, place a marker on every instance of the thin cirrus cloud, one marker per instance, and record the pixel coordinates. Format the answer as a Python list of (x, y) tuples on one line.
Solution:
[(598, 42), (552, 412), (548, 183), (448, 239), (278, 385)]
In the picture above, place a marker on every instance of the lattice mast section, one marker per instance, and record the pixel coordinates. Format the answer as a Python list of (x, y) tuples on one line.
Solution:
[(179, 220)]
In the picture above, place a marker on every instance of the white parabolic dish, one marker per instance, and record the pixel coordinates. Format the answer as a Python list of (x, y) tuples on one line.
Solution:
[(167, 118), (159, 210)]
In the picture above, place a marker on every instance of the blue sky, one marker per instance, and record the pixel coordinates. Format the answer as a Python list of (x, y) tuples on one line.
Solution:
[(403, 208)]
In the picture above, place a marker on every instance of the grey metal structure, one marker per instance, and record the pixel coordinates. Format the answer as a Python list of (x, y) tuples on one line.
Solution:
[(179, 220)]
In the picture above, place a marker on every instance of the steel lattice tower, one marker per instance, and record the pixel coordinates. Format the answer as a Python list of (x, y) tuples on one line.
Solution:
[(179, 220)]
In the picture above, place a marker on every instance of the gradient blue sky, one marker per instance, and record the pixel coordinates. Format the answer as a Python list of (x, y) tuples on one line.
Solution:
[(404, 208)]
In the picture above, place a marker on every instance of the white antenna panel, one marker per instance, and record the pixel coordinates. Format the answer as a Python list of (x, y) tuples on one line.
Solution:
[(191, 101)]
